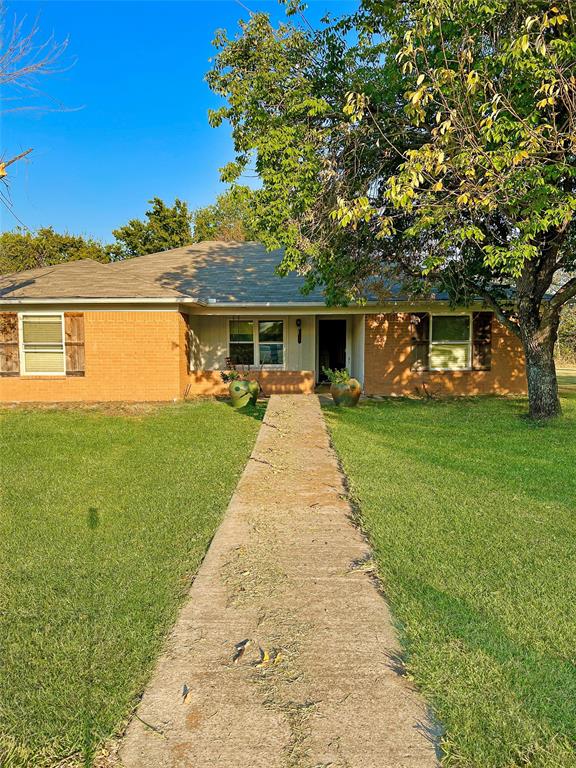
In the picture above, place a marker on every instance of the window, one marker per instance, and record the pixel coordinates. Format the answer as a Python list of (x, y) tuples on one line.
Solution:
[(271, 342), (450, 342), (257, 342), (42, 340), (242, 342)]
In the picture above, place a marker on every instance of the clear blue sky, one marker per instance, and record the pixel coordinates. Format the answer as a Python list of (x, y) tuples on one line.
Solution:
[(135, 119)]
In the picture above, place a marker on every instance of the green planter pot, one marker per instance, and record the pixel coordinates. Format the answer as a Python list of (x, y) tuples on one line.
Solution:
[(346, 394), (240, 393), (254, 389)]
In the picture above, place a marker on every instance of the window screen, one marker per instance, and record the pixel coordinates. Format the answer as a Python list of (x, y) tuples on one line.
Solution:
[(271, 342), (43, 344), (242, 342), (450, 342)]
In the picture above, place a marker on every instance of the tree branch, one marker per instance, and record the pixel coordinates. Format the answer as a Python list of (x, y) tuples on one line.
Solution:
[(5, 164), (564, 294), (498, 311)]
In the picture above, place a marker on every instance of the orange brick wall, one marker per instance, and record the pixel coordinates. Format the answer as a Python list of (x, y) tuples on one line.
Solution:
[(129, 356), (387, 363), (138, 356), (272, 382)]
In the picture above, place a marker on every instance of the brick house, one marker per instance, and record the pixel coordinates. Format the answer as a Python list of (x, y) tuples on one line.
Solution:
[(163, 326)]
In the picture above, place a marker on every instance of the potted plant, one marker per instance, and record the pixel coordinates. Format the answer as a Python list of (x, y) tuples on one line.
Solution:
[(344, 389), (242, 391)]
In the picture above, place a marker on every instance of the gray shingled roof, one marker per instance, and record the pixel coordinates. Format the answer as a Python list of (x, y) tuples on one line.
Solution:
[(221, 272), (208, 272)]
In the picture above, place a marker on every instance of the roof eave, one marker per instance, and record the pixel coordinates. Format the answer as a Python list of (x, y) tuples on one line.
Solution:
[(99, 300)]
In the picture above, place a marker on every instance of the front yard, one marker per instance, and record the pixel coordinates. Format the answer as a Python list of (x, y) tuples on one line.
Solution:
[(471, 513), (104, 518)]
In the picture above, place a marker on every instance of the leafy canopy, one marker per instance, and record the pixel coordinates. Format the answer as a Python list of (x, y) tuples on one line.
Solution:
[(492, 86), (163, 228), (21, 250), (424, 138), (228, 219)]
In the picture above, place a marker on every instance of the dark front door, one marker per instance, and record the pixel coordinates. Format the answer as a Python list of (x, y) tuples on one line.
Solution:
[(331, 345)]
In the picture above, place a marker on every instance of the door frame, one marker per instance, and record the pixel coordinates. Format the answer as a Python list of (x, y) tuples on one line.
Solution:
[(348, 351)]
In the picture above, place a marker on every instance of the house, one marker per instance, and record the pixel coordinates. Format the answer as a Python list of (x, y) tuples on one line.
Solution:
[(163, 326)]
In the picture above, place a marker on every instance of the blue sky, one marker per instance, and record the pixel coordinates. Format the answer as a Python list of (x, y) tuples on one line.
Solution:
[(134, 118)]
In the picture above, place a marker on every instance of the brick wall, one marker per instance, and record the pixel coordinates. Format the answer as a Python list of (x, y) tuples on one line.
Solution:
[(388, 350), (272, 382), (138, 356), (129, 356)]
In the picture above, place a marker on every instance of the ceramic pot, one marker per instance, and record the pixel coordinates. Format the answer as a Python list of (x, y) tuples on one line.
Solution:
[(254, 389), (347, 393), (239, 393)]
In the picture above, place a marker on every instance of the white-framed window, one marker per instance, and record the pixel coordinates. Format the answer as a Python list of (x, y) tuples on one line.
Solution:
[(256, 342), (450, 342), (42, 343)]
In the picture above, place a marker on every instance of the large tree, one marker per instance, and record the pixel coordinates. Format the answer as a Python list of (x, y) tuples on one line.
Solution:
[(163, 228), (22, 249), (437, 149), (229, 218)]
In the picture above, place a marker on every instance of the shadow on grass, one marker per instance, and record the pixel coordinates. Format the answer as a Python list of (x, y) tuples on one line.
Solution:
[(470, 509), (525, 668), (487, 439), (250, 411)]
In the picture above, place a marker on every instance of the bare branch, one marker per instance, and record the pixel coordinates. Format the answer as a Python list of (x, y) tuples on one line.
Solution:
[(23, 58), (5, 164)]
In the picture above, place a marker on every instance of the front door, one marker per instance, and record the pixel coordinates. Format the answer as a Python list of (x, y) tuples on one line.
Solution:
[(331, 346)]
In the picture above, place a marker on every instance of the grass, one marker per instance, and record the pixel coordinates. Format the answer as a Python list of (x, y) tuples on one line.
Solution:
[(104, 518), (566, 377), (470, 509)]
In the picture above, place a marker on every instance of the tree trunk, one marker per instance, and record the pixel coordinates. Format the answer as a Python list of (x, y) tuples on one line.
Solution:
[(539, 339)]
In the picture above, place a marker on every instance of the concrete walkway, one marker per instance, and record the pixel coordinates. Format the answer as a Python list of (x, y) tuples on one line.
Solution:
[(286, 571)]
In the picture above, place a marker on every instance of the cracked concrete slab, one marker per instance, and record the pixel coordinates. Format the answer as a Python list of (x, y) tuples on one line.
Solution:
[(317, 685)]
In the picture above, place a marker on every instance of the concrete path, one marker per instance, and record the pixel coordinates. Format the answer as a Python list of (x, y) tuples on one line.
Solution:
[(286, 571)]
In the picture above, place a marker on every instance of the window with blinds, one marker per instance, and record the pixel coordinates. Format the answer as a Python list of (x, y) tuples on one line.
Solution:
[(450, 343), (42, 340)]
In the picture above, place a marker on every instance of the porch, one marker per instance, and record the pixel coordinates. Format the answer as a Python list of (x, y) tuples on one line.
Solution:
[(287, 352)]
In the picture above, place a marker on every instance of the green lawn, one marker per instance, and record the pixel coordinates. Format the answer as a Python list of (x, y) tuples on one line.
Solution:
[(471, 511), (566, 377), (103, 520)]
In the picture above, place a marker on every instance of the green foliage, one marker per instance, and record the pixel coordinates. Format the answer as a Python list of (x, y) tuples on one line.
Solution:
[(336, 375), (467, 155), (268, 77), (470, 512), (21, 249), (228, 219), (498, 118), (297, 122), (426, 144), (232, 375), (165, 227), (99, 543)]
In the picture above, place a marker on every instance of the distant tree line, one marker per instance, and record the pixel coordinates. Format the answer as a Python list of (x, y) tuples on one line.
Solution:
[(162, 228)]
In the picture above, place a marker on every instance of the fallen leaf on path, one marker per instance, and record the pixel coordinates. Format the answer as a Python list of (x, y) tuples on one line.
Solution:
[(239, 649)]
